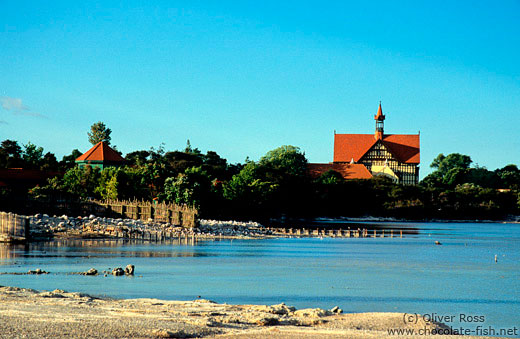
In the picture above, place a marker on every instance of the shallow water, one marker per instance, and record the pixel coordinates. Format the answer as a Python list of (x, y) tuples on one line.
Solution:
[(409, 274)]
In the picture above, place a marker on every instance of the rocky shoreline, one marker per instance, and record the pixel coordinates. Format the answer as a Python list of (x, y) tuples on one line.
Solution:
[(29, 313), (44, 226)]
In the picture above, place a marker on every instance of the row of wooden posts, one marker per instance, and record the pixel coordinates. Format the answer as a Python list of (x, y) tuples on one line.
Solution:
[(358, 233), (146, 235), (13, 227), (181, 215)]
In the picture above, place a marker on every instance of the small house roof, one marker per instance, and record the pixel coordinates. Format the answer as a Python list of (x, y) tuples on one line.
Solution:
[(348, 171), (101, 152)]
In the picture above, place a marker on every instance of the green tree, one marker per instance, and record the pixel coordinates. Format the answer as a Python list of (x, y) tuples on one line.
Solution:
[(10, 154), (193, 187), (444, 164), (108, 183), (450, 170), (286, 159), (32, 155), (99, 132), (250, 187), (81, 182), (509, 177), (49, 162), (330, 177), (69, 161), (138, 158)]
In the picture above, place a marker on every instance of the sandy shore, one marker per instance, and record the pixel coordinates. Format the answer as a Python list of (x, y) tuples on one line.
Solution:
[(26, 313)]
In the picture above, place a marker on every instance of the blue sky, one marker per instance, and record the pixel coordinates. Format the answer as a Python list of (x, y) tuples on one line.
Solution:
[(244, 77)]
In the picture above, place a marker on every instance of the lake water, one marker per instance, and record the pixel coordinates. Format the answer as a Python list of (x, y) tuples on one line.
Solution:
[(409, 274)]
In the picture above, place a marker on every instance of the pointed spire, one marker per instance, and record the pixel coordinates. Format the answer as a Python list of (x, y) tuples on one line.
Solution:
[(379, 115)]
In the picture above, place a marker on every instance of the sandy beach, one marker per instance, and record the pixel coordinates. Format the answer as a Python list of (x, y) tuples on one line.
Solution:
[(59, 314)]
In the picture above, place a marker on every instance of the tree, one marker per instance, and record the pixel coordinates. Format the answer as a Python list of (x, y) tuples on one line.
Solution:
[(69, 161), (450, 170), (138, 158), (444, 164), (49, 162), (32, 155), (510, 177), (10, 154), (81, 182), (109, 183), (250, 191), (99, 132), (330, 177), (193, 187), (189, 149), (287, 159)]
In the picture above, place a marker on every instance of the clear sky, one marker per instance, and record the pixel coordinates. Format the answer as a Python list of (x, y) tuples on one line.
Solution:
[(244, 77)]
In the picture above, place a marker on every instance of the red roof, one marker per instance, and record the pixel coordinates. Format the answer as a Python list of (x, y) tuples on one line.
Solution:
[(405, 147), (101, 152), (348, 171)]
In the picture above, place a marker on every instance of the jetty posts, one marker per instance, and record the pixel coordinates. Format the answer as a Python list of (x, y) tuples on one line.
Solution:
[(349, 232)]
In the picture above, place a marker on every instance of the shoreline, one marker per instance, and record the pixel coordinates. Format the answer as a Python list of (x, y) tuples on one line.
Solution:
[(58, 313)]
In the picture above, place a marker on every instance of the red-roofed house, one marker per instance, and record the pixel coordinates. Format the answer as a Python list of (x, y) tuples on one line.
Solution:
[(393, 155), (100, 155)]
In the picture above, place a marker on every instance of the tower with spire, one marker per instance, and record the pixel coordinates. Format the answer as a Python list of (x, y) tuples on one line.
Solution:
[(380, 122)]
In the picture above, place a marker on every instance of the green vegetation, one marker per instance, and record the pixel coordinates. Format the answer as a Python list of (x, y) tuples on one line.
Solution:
[(274, 186), (99, 132)]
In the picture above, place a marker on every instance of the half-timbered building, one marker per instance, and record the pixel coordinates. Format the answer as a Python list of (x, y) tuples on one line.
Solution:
[(396, 156)]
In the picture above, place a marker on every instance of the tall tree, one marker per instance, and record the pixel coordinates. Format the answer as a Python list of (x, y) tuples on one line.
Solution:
[(99, 132), (10, 154), (32, 155)]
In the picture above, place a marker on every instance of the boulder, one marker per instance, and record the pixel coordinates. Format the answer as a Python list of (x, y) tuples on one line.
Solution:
[(91, 271), (336, 310), (129, 269), (268, 321), (312, 313), (118, 271)]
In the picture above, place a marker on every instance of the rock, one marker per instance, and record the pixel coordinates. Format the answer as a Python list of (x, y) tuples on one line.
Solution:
[(162, 333), (336, 310), (92, 217), (118, 271), (92, 271), (53, 294), (437, 242), (129, 269), (268, 321), (38, 271), (280, 309), (312, 313)]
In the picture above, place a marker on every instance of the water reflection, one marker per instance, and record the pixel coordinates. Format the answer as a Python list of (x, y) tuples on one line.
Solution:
[(12, 251), (101, 248)]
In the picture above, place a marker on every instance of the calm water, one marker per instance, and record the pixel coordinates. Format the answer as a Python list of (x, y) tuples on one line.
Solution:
[(410, 275)]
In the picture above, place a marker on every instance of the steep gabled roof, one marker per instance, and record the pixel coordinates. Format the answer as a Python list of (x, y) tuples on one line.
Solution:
[(405, 147), (348, 171), (351, 146), (101, 152)]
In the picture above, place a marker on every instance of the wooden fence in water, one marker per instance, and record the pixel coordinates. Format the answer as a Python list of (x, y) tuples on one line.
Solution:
[(13, 227), (144, 210)]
